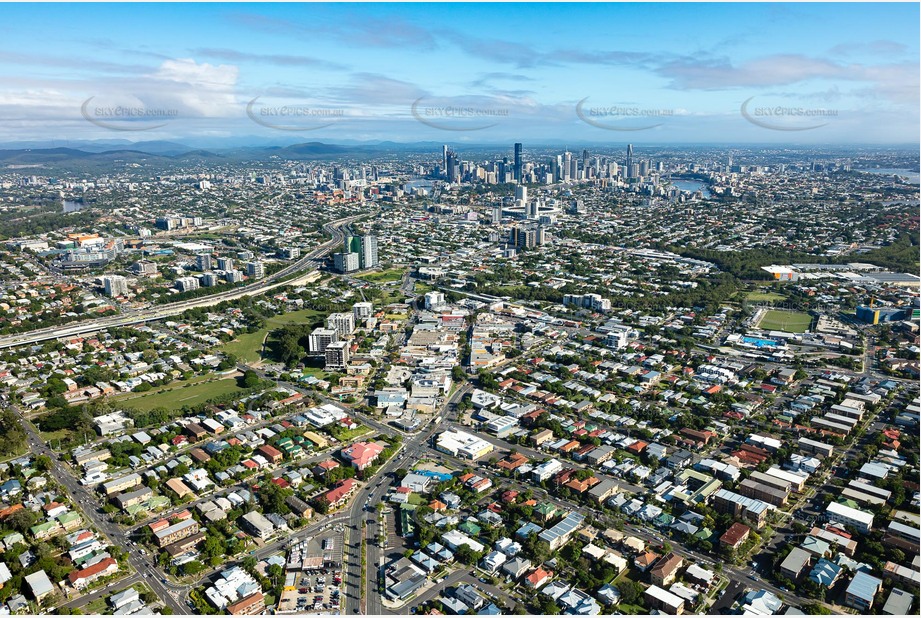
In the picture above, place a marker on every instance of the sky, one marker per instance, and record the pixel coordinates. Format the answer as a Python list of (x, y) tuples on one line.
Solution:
[(824, 73)]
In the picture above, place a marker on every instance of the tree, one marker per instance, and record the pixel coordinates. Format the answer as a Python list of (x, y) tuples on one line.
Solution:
[(630, 591), (466, 554), (250, 379), (214, 546), (192, 568), (815, 609), (21, 520)]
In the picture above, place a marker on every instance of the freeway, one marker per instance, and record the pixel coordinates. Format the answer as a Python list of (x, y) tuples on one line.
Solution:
[(309, 262)]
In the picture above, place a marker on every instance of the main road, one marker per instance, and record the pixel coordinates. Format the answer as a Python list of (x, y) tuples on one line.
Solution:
[(88, 503), (371, 494)]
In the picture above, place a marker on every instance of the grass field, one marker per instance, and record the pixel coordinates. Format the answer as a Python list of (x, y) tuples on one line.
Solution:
[(248, 347), (181, 395), (764, 296), (384, 276), (315, 372), (787, 321)]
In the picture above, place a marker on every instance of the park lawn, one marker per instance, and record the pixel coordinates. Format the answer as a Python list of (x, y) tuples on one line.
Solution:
[(49, 437), (248, 346), (160, 389), (764, 296), (183, 395), (347, 435), (316, 372), (422, 288), (787, 321), (383, 276)]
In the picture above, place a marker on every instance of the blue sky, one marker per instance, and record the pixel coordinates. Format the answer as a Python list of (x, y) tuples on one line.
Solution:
[(594, 73)]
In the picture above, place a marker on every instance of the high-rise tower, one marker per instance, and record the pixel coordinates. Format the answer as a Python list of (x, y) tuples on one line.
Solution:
[(518, 162)]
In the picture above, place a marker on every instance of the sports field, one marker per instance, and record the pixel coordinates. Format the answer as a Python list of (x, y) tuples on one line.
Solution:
[(787, 321)]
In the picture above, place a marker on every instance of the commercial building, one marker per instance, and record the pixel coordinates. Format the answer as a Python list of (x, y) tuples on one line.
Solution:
[(255, 270), (343, 323), (527, 236), (319, 339), (434, 299), (337, 355), (462, 444), (402, 578), (115, 286), (345, 262)]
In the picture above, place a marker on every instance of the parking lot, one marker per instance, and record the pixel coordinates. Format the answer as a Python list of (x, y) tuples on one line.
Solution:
[(316, 591)]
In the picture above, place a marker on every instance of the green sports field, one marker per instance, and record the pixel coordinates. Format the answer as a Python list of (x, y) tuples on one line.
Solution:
[(787, 321)]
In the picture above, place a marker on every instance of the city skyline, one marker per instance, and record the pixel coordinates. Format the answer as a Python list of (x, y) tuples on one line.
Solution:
[(464, 74)]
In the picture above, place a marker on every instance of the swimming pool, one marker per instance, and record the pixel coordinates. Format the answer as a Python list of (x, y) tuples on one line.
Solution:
[(760, 343)]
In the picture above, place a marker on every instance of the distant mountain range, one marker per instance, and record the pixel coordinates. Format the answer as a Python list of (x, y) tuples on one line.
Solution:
[(86, 154), (170, 152)]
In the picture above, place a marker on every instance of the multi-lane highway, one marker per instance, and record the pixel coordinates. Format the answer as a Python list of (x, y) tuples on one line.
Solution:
[(172, 595), (306, 264)]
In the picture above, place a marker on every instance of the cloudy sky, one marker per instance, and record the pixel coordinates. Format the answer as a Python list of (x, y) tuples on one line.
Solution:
[(657, 73)]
